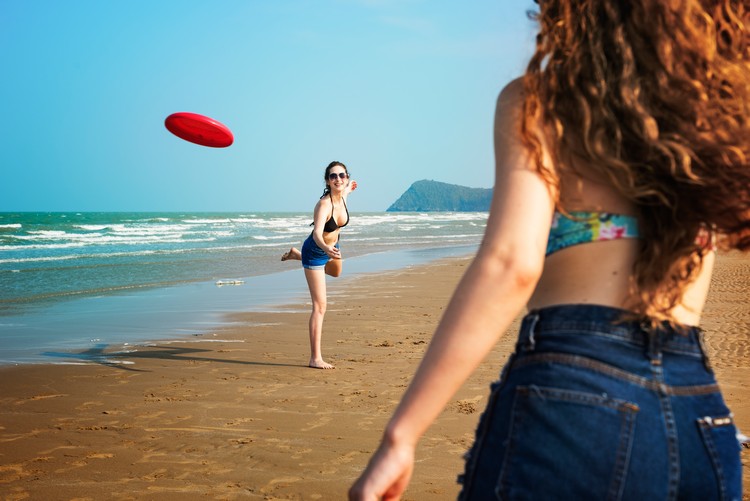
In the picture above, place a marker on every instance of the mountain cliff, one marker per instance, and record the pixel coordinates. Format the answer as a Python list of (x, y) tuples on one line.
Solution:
[(433, 196)]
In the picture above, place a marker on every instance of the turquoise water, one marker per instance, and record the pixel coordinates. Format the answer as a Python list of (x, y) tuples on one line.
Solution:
[(75, 282)]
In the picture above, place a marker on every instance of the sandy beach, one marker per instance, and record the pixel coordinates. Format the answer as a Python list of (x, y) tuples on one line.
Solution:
[(236, 414)]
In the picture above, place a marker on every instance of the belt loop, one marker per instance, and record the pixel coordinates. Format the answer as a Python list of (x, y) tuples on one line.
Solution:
[(531, 341), (699, 334), (653, 348)]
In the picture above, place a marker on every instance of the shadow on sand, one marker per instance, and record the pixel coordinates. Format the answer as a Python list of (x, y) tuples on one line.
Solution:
[(122, 359)]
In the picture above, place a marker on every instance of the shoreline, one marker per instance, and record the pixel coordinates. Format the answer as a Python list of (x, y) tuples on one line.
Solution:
[(74, 331), (236, 414)]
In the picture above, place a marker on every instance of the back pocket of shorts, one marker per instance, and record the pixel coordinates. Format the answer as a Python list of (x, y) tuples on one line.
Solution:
[(720, 438), (566, 444)]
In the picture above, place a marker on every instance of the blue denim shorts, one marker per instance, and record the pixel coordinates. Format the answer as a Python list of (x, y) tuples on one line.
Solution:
[(313, 257), (588, 407)]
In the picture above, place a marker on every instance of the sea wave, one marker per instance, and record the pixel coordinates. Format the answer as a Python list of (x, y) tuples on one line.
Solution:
[(146, 252), (65, 253), (207, 221), (108, 241)]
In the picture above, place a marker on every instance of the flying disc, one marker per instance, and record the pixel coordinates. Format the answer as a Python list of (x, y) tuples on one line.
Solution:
[(199, 129)]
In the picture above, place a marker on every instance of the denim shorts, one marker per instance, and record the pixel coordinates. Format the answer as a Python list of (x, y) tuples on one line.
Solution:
[(313, 257), (589, 407)]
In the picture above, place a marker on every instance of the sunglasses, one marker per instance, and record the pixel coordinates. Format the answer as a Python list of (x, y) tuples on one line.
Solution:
[(341, 175)]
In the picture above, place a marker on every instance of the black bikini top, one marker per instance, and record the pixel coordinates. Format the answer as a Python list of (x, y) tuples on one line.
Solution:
[(331, 225)]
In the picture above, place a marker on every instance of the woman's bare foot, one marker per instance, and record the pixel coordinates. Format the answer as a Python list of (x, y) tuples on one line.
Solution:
[(292, 253), (320, 364)]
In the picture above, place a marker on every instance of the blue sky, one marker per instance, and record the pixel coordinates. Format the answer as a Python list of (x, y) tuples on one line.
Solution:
[(399, 90)]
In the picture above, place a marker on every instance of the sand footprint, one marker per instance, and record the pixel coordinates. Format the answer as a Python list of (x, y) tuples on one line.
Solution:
[(346, 458), (10, 472), (279, 482), (301, 453), (39, 397), (322, 421), (467, 405), (86, 405)]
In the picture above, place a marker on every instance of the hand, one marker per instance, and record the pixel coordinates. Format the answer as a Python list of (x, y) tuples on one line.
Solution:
[(333, 252), (351, 186), (386, 476)]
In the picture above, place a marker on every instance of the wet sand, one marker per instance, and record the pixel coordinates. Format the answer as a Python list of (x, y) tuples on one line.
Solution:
[(236, 414)]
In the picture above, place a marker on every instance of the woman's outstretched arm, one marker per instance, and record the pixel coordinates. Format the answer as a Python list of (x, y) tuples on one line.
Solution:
[(493, 291)]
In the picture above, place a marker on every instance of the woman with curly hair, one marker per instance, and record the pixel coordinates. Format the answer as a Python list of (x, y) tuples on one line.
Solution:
[(321, 254), (622, 163)]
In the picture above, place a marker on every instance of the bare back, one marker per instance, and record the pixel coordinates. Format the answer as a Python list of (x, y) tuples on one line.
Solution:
[(599, 272)]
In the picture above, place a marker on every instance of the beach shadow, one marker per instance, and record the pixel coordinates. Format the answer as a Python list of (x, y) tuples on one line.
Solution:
[(95, 355), (120, 360)]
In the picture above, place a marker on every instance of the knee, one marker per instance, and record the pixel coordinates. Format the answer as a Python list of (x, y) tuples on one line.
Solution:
[(319, 307), (333, 268)]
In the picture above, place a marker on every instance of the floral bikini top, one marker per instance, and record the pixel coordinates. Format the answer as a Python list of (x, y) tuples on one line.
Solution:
[(582, 227)]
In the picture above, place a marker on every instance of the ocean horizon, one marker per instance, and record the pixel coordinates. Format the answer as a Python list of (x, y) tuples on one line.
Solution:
[(74, 284)]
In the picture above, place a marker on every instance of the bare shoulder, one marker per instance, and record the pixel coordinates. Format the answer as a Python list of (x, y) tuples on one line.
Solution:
[(323, 202), (511, 94), (509, 111), (509, 108), (510, 149), (323, 206), (508, 118)]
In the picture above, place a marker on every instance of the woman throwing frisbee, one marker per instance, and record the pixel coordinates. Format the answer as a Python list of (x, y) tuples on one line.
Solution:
[(320, 254)]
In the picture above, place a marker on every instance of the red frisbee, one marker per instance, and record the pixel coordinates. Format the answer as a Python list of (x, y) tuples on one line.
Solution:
[(199, 129)]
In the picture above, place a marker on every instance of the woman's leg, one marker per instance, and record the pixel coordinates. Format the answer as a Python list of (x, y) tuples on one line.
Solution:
[(333, 267), (292, 253), (316, 281)]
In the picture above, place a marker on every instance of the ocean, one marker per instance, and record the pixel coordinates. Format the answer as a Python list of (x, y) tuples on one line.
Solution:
[(73, 285)]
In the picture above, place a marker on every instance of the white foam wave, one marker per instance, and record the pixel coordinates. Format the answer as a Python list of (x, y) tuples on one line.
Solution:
[(147, 252), (177, 239), (41, 246), (95, 360), (149, 229), (245, 220), (419, 217), (44, 234), (117, 234), (285, 224), (194, 340), (207, 221), (270, 237)]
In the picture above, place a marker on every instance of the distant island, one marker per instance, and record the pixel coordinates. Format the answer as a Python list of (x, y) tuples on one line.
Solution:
[(433, 196)]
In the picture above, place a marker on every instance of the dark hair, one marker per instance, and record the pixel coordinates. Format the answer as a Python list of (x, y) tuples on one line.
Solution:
[(331, 165), (655, 96)]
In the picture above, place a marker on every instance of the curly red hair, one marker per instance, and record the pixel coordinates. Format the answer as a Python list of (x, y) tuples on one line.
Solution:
[(654, 95)]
